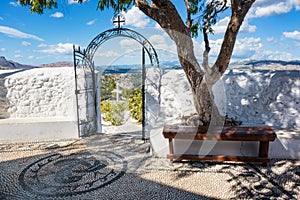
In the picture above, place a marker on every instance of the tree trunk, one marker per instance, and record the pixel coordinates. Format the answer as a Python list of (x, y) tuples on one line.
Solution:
[(201, 80)]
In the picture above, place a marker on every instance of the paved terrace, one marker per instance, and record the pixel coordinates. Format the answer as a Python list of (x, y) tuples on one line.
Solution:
[(119, 166)]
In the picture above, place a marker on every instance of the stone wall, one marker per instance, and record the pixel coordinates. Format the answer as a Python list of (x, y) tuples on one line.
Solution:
[(253, 97), (37, 93), (264, 97)]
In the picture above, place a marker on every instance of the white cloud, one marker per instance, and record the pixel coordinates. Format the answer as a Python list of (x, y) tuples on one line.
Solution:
[(91, 22), (272, 9), (128, 44), (42, 45), (247, 47), (274, 55), (60, 48), (198, 48), (108, 54), (271, 39), (72, 1), (13, 3), (2, 49), (215, 46), (76, 1), (292, 35), (24, 43), (18, 56), (220, 26), (57, 15), (263, 8), (11, 32), (247, 28), (134, 17), (162, 42)]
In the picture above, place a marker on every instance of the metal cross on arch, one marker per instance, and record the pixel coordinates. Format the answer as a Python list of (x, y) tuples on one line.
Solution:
[(88, 110)]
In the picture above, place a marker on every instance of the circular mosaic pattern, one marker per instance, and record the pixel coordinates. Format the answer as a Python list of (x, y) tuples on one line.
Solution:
[(57, 175)]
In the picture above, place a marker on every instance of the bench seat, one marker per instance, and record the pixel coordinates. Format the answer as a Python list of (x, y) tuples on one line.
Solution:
[(262, 134)]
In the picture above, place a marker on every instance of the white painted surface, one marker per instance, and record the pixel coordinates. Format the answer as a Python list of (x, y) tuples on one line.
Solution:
[(254, 97), (40, 104), (37, 129), (40, 92)]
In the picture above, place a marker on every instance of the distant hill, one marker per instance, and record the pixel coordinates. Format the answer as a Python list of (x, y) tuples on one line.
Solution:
[(266, 65), (8, 64), (58, 64), (245, 64), (5, 64)]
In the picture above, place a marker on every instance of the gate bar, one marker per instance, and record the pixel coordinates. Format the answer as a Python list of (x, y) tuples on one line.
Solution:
[(143, 94), (76, 92)]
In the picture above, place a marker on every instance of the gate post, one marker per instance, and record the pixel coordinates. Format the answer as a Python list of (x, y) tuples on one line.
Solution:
[(98, 102)]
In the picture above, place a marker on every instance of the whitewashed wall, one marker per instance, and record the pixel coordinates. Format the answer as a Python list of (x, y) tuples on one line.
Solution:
[(253, 97), (40, 93), (264, 97), (37, 104)]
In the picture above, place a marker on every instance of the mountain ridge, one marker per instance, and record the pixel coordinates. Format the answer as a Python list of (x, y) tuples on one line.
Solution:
[(9, 64), (244, 64)]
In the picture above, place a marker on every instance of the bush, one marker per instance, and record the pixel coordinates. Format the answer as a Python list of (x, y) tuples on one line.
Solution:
[(135, 105), (113, 112), (108, 84)]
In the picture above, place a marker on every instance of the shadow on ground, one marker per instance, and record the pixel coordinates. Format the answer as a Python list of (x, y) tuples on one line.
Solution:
[(119, 166)]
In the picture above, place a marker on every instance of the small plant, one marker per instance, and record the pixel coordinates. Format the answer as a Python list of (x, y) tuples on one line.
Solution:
[(128, 92), (108, 84), (135, 105), (113, 112)]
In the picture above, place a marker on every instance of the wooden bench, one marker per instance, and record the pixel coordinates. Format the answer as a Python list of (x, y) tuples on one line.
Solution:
[(262, 134)]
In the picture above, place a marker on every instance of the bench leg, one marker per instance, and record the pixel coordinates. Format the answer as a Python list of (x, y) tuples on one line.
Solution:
[(171, 148), (263, 150)]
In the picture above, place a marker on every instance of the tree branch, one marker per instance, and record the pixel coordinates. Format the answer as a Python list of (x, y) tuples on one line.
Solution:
[(205, 63), (239, 10), (188, 11)]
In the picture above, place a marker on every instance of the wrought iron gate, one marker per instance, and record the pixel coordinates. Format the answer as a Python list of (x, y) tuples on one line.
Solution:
[(151, 81), (85, 92)]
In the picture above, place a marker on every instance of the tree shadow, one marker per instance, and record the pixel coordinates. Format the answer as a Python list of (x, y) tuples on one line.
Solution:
[(105, 170), (267, 97)]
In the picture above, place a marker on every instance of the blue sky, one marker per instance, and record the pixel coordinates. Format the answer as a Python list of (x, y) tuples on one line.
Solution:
[(270, 31)]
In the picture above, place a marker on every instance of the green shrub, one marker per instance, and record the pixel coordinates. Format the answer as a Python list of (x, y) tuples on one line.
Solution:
[(135, 105), (108, 84), (105, 106), (113, 112), (127, 93)]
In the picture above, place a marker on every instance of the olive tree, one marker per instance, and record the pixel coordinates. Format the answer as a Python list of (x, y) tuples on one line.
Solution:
[(201, 15)]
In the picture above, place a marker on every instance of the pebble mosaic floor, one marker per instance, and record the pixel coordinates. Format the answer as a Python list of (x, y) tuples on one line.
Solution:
[(119, 166)]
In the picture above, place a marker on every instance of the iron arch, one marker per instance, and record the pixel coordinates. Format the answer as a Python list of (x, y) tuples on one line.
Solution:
[(122, 32), (151, 84)]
